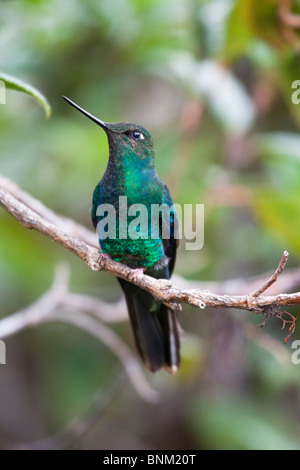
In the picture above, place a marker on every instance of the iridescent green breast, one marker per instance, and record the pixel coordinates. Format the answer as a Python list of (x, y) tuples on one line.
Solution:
[(135, 253), (137, 187)]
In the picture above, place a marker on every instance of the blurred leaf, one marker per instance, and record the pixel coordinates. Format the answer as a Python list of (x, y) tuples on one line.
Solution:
[(192, 357), (15, 84), (276, 203), (240, 425), (280, 144), (223, 93), (239, 26), (288, 72), (212, 16), (73, 366), (252, 21), (279, 213)]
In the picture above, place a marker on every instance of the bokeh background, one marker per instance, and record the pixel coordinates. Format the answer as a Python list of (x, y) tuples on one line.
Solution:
[(212, 81)]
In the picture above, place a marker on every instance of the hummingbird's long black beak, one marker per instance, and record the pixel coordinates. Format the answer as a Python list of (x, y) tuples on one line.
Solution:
[(83, 111)]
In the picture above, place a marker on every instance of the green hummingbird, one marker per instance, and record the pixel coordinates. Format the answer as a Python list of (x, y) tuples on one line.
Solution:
[(131, 173)]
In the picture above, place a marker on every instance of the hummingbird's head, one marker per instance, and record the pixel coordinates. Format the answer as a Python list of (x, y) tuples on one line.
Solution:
[(126, 140)]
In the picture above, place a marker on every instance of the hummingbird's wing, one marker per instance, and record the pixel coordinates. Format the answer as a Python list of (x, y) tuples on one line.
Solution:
[(171, 243), (95, 205)]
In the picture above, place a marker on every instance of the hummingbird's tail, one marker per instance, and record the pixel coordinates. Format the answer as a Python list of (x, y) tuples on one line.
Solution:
[(155, 328)]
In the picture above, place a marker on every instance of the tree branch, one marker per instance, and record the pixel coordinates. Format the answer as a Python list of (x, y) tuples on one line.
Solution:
[(70, 226), (78, 427), (287, 17), (44, 310), (15, 202), (288, 23)]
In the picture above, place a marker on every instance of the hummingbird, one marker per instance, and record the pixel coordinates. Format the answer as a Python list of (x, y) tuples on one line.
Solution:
[(131, 173)]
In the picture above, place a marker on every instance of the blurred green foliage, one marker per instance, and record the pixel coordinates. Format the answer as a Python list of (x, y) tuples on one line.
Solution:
[(212, 81)]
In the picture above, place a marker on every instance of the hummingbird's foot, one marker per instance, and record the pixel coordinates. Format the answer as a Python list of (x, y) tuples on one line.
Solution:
[(97, 265), (136, 274), (104, 256)]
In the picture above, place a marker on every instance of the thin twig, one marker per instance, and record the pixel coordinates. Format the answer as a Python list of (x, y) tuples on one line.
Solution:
[(45, 310), (105, 311), (287, 17), (78, 427), (115, 344), (289, 22), (273, 278), (69, 225)]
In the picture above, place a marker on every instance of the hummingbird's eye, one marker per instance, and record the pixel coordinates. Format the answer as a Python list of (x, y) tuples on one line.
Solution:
[(137, 135)]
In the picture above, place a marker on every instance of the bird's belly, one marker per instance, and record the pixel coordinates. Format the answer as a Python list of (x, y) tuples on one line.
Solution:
[(135, 253), (135, 239)]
